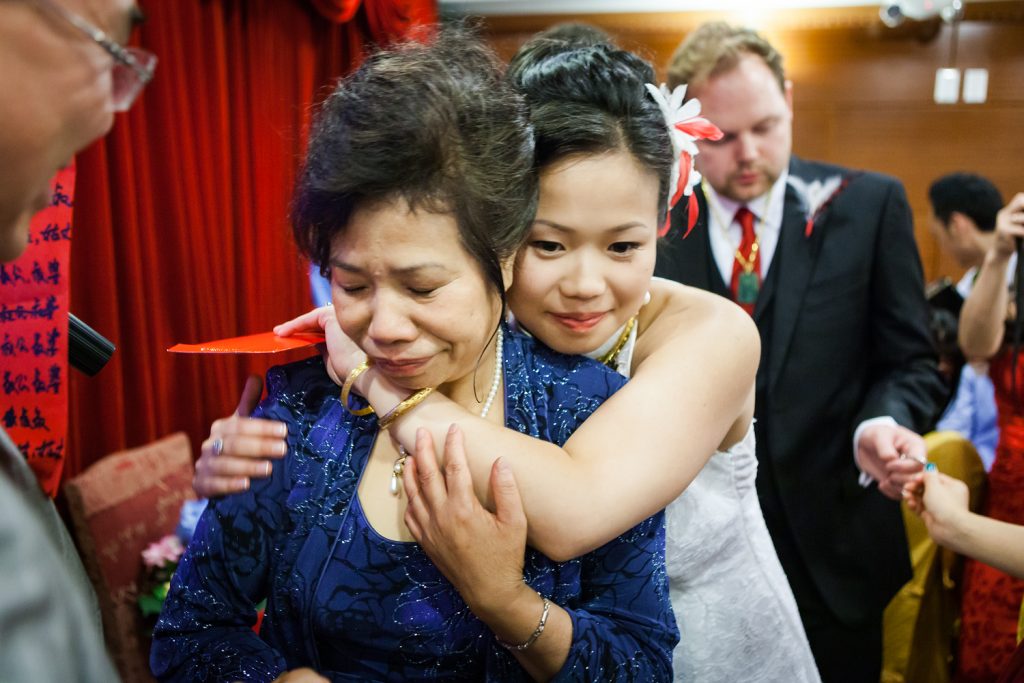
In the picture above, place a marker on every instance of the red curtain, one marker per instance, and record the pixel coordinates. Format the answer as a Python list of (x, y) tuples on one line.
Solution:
[(181, 229), (338, 11)]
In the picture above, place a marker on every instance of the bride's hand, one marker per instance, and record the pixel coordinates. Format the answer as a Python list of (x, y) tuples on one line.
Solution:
[(312, 321), (340, 353)]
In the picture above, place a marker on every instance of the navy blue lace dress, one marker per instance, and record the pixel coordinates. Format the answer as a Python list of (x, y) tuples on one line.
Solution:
[(356, 606)]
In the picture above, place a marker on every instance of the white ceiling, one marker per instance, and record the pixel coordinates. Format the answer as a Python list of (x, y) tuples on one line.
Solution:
[(507, 7)]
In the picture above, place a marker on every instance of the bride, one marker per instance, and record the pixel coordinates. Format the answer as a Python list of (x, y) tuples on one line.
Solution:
[(583, 285)]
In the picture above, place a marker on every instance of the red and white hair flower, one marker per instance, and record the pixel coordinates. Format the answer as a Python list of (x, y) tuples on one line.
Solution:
[(685, 127)]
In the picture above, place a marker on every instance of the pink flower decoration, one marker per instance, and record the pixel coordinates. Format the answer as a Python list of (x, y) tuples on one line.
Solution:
[(165, 551)]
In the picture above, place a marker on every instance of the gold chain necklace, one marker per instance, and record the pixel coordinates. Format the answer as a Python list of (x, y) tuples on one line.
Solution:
[(745, 263), (399, 467), (610, 359)]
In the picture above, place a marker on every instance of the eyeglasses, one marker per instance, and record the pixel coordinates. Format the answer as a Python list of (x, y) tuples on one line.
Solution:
[(133, 67)]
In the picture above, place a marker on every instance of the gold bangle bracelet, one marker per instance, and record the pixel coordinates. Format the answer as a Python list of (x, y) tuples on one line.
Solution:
[(346, 388), (404, 407)]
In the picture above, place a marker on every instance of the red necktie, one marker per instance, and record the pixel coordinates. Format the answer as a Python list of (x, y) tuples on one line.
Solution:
[(746, 267)]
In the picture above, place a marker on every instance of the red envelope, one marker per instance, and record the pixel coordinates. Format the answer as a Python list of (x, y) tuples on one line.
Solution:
[(265, 342)]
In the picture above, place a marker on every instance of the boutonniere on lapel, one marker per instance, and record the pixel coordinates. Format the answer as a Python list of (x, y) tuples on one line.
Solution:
[(817, 195), (685, 127)]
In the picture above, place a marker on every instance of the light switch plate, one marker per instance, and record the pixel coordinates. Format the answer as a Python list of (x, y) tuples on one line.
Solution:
[(947, 86), (975, 85)]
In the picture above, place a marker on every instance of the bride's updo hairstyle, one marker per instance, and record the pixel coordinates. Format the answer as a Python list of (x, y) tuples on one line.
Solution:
[(591, 99), (435, 125)]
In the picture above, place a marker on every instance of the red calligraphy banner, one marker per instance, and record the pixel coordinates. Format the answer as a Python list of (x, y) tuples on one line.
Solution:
[(33, 338)]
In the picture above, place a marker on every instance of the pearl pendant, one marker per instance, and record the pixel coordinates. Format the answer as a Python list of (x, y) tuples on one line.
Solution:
[(396, 471)]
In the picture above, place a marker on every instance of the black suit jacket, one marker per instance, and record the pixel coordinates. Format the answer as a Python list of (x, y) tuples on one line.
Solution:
[(845, 337)]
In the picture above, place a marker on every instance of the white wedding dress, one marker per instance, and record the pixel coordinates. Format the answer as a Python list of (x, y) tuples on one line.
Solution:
[(738, 621), (737, 617)]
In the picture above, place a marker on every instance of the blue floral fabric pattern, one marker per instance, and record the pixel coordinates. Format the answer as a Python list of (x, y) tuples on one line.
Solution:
[(356, 606)]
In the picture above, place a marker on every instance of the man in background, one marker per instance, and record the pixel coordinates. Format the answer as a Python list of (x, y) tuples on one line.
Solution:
[(963, 221), (58, 92), (824, 259)]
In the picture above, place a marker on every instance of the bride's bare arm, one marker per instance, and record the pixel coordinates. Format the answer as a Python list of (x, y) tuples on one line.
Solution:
[(692, 386), (692, 390)]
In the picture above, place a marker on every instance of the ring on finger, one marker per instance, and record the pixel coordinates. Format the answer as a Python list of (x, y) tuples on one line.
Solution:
[(218, 446)]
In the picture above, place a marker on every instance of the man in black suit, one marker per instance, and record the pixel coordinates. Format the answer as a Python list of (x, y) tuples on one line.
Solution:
[(58, 92), (825, 261)]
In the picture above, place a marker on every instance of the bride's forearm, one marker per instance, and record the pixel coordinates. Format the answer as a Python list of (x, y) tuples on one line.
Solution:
[(554, 487), (633, 456)]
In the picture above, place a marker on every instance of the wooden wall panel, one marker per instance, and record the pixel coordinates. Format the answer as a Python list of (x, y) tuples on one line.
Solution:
[(863, 93)]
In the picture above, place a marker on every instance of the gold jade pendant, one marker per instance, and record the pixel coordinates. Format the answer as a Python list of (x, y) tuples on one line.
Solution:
[(748, 287)]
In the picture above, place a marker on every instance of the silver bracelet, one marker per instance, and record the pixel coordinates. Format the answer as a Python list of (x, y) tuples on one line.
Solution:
[(533, 636)]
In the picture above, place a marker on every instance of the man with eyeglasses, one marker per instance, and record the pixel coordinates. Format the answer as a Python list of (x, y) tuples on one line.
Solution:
[(63, 74)]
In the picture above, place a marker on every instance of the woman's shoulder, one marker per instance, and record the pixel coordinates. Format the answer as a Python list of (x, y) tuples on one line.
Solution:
[(549, 394), (539, 361), (303, 396), (300, 388)]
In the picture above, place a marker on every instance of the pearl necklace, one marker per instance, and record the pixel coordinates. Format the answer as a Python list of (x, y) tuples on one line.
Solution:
[(399, 466)]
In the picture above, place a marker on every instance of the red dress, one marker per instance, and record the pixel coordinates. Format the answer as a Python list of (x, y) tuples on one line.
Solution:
[(992, 599)]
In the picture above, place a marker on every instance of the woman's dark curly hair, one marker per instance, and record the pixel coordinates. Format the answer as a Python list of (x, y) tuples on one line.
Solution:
[(435, 125), (590, 99)]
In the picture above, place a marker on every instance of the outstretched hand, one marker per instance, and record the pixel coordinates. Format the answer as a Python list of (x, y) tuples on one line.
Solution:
[(239, 447), (941, 501), (481, 553), (892, 455), (340, 353)]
